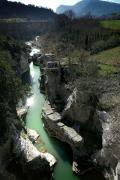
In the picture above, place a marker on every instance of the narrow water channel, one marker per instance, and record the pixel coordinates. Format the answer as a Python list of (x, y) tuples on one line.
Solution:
[(63, 168)]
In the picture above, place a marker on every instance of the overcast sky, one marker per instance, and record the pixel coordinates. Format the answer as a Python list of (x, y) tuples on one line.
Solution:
[(53, 4)]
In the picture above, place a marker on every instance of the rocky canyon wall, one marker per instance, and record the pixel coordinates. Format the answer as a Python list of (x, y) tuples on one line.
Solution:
[(90, 108)]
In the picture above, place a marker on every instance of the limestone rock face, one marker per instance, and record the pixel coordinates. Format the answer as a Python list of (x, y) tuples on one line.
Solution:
[(109, 154), (33, 135), (54, 126), (117, 176), (30, 152), (24, 65), (65, 133), (75, 111), (92, 110), (23, 68), (21, 111), (18, 150), (21, 64), (103, 120)]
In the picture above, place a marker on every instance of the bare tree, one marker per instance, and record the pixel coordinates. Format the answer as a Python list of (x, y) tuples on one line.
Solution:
[(70, 14)]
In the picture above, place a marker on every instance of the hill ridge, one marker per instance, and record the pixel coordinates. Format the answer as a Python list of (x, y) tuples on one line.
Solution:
[(10, 9), (95, 7)]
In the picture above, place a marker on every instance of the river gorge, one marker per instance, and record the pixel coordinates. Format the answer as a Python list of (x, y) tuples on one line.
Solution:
[(59, 91), (63, 168), (68, 129), (81, 146)]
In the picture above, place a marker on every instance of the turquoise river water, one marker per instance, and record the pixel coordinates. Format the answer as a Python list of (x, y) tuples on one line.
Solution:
[(63, 168)]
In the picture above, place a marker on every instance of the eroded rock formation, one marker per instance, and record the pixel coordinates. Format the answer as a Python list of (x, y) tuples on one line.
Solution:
[(90, 107)]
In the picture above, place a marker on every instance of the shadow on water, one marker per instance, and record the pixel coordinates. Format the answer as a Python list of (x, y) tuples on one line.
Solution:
[(62, 147), (26, 78)]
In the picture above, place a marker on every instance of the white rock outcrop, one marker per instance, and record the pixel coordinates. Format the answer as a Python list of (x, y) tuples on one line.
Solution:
[(33, 135), (21, 111), (30, 151), (52, 122)]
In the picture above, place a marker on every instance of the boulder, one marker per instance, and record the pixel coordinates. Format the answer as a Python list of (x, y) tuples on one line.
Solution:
[(30, 152), (21, 111), (54, 126), (33, 135)]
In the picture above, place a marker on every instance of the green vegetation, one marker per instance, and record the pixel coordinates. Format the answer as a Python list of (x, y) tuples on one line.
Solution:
[(111, 56), (12, 20), (75, 41), (108, 61), (18, 10), (99, 46), (84, 33), (10, 85), (11, 88), (9, 91), (111, 24), (10, 51), (107, 69), (13, 46), (80, 33)]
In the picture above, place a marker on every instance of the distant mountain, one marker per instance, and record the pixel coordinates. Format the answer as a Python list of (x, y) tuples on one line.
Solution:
[(95, 7), (18, 10)]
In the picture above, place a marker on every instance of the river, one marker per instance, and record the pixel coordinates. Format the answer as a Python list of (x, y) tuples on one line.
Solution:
[(63, 168)]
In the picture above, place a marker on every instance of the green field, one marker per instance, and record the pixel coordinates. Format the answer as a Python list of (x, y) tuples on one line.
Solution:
[(111, 24), (109, 60), (111, 56)]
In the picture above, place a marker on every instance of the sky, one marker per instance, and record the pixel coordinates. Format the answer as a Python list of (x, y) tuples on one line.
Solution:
[(53, 4)]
